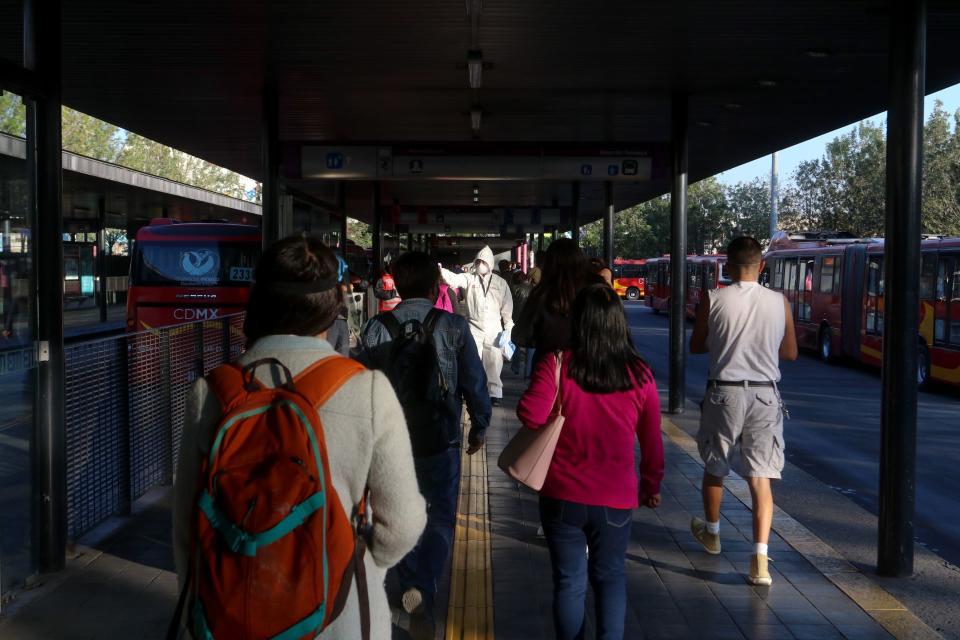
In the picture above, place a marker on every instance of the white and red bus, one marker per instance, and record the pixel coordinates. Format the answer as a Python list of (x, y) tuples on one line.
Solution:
[(704, 273), (629, 279), (835, 287), (187, 272)]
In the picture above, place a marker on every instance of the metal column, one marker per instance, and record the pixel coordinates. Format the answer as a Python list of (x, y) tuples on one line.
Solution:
[(898, 415), (575, 213), (271, 226), (608, 223), (342, 207), (101, 261), (377, 232), (678, 255), (41, 52)]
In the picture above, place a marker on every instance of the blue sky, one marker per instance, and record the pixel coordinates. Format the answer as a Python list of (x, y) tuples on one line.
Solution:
[(814, 147)]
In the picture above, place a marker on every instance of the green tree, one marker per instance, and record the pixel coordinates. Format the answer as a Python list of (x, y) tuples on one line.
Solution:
[(749, 208), (13, 115), (941, 173), (89, 136), (359, 232)]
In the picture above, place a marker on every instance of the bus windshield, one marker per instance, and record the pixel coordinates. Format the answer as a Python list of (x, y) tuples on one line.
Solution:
[(207, 264)]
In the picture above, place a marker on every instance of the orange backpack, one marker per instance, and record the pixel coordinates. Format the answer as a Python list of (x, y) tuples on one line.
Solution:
[(273, 554)]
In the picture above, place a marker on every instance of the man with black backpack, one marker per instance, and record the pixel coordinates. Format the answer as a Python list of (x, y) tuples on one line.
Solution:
[(431, 359)]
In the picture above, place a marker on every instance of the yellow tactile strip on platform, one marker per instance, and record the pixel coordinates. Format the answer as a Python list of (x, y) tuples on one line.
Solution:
[(889, 612), (470, 609)]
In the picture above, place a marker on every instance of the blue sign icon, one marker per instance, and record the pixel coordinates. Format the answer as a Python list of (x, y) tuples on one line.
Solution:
[(586, 169), (613, 170), (334, 160)]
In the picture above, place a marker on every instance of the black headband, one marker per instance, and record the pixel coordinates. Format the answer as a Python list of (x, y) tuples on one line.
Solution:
[(302, 288)]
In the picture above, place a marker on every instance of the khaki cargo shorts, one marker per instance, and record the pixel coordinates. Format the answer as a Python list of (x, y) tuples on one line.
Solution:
[(748, 418)]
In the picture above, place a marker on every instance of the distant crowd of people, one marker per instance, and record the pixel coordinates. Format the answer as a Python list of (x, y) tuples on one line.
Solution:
[(309, 469)]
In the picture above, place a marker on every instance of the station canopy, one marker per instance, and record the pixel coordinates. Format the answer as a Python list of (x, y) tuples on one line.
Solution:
[(460, 108)]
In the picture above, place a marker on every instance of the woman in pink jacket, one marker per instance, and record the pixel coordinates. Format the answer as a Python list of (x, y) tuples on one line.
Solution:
[(609, 399)]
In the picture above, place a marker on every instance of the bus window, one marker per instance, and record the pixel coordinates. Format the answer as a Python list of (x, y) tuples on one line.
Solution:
[(778, 274), (712, 276), (194, 263), (874, 320), (805, 286), (943, 275), (837, 274), (955, 304), (826, 274), (928, 272), (724, 277)]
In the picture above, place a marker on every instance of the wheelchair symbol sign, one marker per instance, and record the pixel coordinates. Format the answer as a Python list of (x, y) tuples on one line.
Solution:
[(586, 169)]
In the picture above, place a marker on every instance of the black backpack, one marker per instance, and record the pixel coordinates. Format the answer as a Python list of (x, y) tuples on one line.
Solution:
[(413, 368)]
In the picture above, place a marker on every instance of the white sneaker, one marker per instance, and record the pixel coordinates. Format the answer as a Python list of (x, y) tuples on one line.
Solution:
[(412, 600)]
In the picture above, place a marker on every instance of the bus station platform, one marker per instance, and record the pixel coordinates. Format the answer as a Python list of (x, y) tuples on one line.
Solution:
[(120, 583)]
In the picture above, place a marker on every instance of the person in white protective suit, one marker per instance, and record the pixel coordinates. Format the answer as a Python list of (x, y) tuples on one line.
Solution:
[(489, 311)]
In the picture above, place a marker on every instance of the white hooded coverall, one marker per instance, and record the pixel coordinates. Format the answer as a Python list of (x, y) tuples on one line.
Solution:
[(489, 311)]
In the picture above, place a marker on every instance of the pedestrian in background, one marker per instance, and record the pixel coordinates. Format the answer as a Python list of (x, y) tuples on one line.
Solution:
[(747, 329), (490, 313), (386, 291), (520, 288), (433, 414), (609, 400), (546, 321)]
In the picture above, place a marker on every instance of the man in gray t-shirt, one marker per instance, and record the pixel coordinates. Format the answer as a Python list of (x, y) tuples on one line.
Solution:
[(746, 329)]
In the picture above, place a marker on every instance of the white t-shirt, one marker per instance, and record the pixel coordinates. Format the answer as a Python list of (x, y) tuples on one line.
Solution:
[(745, 329)]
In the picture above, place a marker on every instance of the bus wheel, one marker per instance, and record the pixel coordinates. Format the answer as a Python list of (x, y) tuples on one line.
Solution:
[(923, 366), (633, 293), (826, 345)]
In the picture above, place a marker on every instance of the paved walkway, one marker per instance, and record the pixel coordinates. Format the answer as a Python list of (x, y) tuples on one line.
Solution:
[(120, 583)]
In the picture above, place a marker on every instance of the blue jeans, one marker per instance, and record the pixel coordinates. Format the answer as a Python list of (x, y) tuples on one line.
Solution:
[(571, 527), (439, 480)]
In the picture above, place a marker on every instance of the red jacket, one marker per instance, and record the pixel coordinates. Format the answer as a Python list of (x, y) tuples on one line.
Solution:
[(594, 461)]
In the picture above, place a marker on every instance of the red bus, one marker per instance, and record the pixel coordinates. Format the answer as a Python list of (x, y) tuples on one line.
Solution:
[(629, 278), (703, 273), (835, 287), (184, 272)]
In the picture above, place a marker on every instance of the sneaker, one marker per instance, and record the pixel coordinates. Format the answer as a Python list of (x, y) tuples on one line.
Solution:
[(710, 541), (496, 402), (412, 600), (759, 575)]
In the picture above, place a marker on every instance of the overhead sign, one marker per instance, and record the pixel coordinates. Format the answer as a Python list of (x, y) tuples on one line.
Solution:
[(371, 162), (339, 162)]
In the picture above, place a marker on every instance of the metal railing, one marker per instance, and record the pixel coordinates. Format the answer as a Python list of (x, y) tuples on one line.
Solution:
[(124, 411)]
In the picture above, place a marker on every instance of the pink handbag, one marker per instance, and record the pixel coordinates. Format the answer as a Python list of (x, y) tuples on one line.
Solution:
[(527, 456)]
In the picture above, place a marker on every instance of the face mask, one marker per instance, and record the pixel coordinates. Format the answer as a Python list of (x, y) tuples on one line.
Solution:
[(483, 269)]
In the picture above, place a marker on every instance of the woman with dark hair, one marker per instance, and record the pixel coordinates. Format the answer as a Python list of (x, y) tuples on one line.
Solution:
[(545, 323), (608, 398), (294, 301)]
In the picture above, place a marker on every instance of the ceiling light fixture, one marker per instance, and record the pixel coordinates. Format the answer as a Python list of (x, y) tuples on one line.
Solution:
[(767, 83), (733, 106), (475, 68), (476, 115), (817, 53), (704, 123)]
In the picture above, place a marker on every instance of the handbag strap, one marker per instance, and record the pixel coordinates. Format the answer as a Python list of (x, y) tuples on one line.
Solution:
[(558, 400)]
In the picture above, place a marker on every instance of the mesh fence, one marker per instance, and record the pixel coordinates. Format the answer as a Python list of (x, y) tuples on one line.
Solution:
[(125, 400)]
